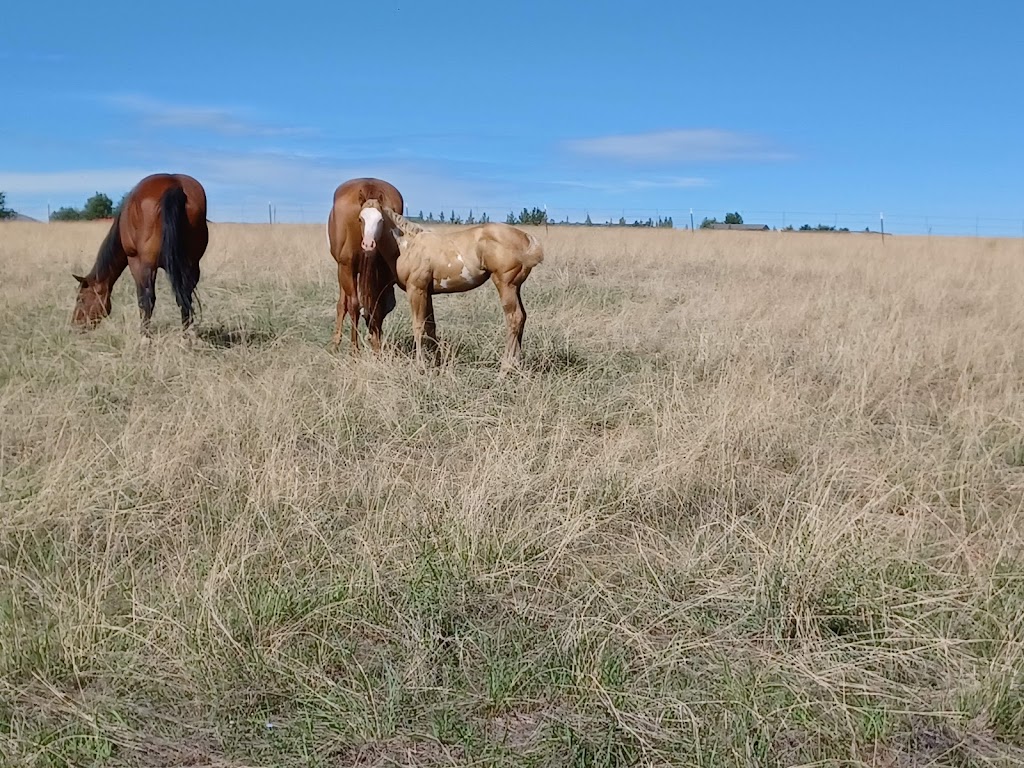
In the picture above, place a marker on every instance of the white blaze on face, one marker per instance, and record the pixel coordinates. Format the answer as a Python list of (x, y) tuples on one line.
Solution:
[(373, 227)]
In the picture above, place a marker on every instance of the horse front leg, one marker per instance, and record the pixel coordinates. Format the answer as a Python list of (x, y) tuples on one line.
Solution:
[(420, 307)]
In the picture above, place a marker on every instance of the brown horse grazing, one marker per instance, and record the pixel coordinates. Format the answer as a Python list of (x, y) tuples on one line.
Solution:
[(452, 262), (365, 284), (161, 224)]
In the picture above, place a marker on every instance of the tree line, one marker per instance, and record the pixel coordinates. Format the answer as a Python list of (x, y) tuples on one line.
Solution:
[(5, 212), (533, 217), (452, 219), (99, 206)]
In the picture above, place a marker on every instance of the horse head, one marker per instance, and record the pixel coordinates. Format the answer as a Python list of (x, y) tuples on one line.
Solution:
[(92, 304)]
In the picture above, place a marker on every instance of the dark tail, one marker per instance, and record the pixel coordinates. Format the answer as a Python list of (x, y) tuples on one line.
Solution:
[(375, 284), (173, 252)]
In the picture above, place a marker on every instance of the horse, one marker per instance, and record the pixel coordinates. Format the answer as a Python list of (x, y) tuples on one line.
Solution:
[(431, 262), (162, 223), (365, 285)]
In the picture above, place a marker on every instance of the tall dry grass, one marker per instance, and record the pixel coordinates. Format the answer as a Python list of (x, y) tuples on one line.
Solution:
[(755, 500)]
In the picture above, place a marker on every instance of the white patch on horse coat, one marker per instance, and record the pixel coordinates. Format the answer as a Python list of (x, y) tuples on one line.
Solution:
[(444, 282), (466, 274)]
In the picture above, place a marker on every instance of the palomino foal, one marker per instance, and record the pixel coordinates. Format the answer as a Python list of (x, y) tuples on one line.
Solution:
[(431, 262)]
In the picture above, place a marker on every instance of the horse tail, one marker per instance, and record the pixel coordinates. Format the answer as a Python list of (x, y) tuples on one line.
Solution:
[(173, 252), (373, 284)]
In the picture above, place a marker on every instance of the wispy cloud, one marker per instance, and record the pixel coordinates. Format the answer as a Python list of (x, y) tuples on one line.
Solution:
[(225, 121), (240, 184), (61, 184), (631, 185), (678, 182), (679, 146)]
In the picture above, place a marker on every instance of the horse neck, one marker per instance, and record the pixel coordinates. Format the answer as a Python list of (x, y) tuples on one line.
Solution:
[(111, 259), (409, 229)]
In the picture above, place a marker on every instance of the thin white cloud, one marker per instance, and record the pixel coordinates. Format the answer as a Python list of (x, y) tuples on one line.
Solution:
[(239, 185), (220, 120), (680, 146), (632, 185), (678, 182), (63, 184)]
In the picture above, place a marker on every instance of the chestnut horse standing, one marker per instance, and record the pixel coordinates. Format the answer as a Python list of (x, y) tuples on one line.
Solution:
[(365, 284), (161, 224)]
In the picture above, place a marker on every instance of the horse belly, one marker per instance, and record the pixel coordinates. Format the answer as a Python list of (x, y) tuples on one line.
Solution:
[(452, 273)]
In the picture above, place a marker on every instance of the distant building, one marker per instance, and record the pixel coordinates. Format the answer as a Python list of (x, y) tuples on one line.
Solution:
[(747, 227)]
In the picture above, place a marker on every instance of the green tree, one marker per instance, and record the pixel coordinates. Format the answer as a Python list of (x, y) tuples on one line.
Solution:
[(708, 223), (511, 218), (485, 219), (470, 219), (588, 222), (99, 206), (5, 212), (733, 218), (440, 217), (622, 221), (536, 216), (66, 214)]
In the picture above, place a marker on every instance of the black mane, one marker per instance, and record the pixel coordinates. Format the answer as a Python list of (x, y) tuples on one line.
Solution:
[(109, 251)]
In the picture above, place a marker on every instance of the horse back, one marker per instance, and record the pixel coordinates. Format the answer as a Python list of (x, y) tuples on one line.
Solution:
[(141, 220)]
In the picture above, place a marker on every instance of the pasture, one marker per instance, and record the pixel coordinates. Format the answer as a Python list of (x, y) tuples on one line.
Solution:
[(755, 500)]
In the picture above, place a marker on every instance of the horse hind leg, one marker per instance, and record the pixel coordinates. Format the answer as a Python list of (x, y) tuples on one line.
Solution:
[(145, 286), (186, 303), (515, 320)]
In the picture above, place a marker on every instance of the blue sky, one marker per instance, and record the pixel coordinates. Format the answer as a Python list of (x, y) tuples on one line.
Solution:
[(823, 112)]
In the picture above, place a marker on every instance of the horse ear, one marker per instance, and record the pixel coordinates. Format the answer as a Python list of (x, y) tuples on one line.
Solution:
[(80, 279)]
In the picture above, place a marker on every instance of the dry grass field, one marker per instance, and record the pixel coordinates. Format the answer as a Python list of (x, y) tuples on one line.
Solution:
[(756, 500)]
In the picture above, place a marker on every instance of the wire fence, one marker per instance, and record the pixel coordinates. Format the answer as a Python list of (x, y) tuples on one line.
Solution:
[(681, 218)]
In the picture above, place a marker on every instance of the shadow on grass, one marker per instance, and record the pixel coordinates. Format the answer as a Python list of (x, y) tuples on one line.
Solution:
[(552, 359), (223, 336)]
